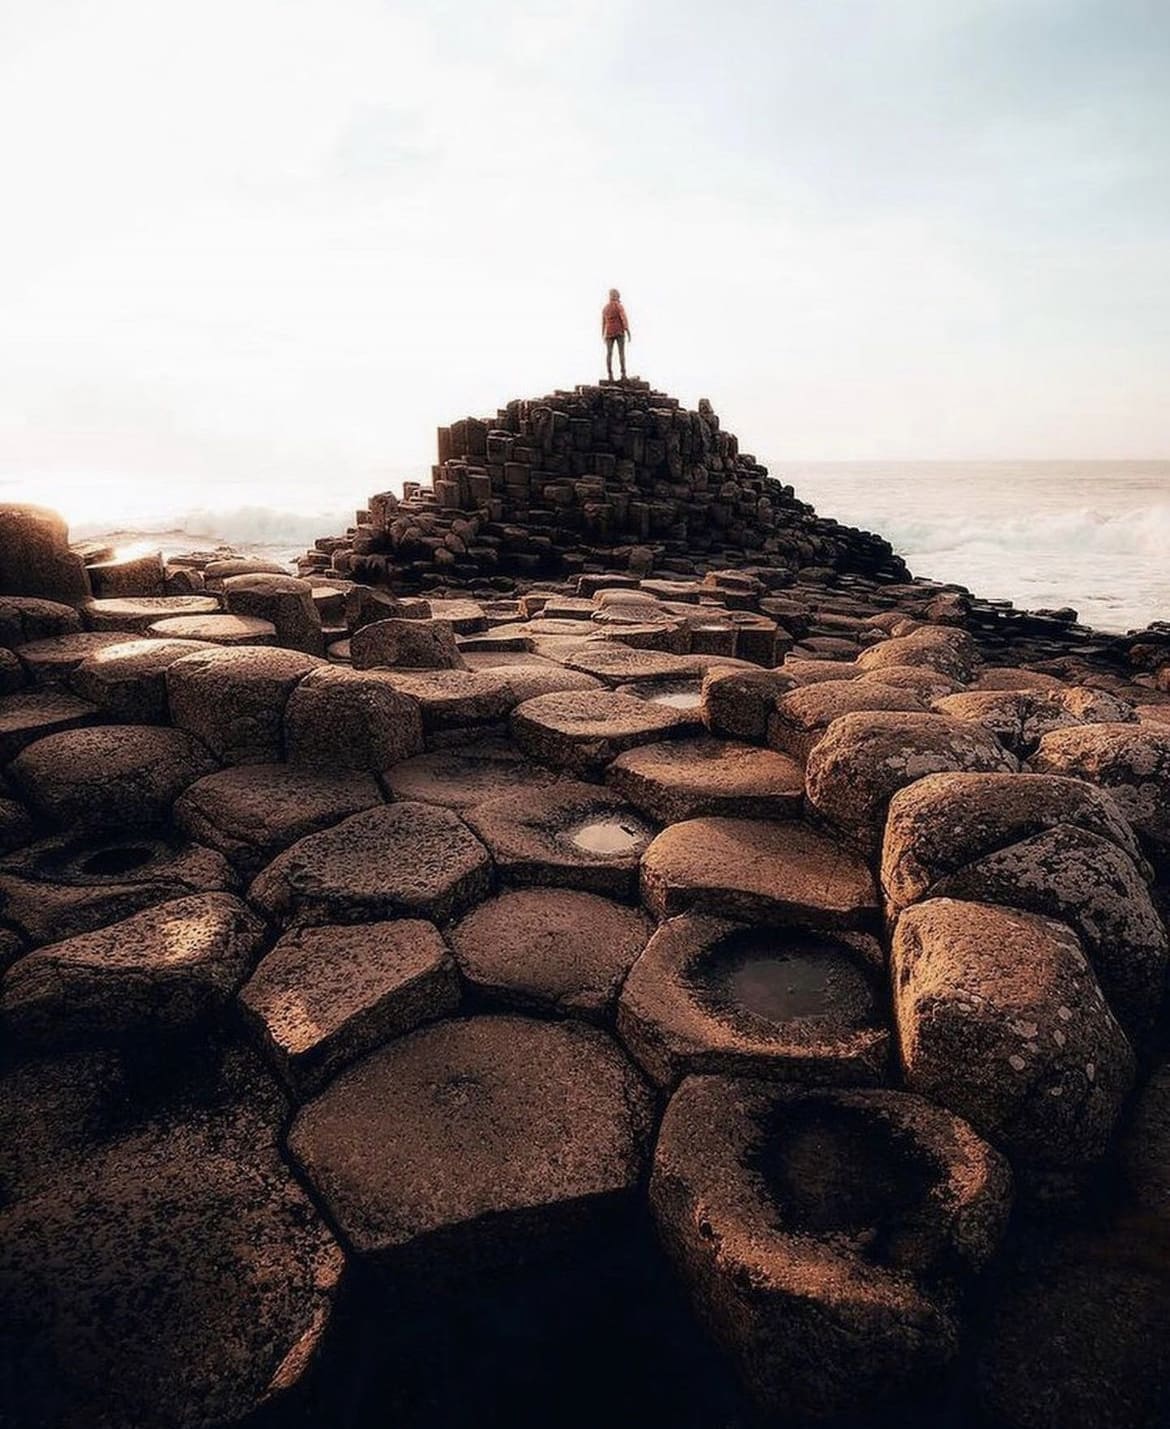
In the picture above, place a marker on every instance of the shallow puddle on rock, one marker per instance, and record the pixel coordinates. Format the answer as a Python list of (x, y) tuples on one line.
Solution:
[(678, 699), (610, 835), (780, 980)]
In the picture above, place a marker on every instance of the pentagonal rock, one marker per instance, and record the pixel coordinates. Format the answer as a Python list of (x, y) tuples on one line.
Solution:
[(324, 996), (1132, 761), (252, 812), (475, 1143), (468, 775), (216, 629), (455, 702), (62, 886), (351, 719), (864, 759), (176, 1275), (139, 613), (820, 1235), (710, 995), (526, 682), (802, 716), (409, 644), (109, 778), (32, 714), (687, 778), (233, 700), (571, 835), (952, 652), (582, 732), (1000, 1019), (550, 950), (775, 873), (619, 664), (737, 703), (163, 968), (51, 661), (284, 600), (464, 616), (405, 859), (127, 682)]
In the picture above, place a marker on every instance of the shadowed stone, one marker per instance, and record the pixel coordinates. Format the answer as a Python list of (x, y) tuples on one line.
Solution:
[(284, 600), (408, 644), (109, 778), (1000, 1018), (1017, 718), (571, 835), (163, 968), (324, 996), (550, 949), (455, 700), (31, 715), (16, 826), (127, 681), (254, 811), (24, 619), (176, 1275), (12, 676), (351, 719), (127, 576), (66, 885), (687, 778), (475, 1143), (35, 559), (405, 859), (709, 995), (820, 1235), (782, 873), (470, 775), (582, 732), (737, 703), (234, 699)]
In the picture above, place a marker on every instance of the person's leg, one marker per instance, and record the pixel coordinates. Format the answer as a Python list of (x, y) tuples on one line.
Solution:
[(609, 357), (621, 344)]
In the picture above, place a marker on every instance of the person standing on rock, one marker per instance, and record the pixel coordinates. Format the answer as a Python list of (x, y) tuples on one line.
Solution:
[(615, 327)]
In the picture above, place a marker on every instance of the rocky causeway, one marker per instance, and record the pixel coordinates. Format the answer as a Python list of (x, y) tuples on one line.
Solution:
[(598, 945)]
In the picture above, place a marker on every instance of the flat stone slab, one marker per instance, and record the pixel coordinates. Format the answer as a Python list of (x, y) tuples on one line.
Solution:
[(472, 1143), (784, 873), (619, 664), (30, 715), (174, 1275), (127, 681), (687, 778), (139, 612), (469, 775), (582, 732), (163, 968), (253, 812), (571, 835), (108, 778), (404, 859), (62, 886), (820, 1234), (216, 629), (324, 996), (710, 995), (550, 950), (50, 662), (233, 699)]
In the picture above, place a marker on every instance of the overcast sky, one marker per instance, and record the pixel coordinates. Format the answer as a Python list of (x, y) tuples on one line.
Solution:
[(283, 239)]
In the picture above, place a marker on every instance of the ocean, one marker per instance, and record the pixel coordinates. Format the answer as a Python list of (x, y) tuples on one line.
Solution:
[(1091, 535)]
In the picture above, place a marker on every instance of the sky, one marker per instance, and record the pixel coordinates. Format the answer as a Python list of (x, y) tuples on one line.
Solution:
[(272, 244)]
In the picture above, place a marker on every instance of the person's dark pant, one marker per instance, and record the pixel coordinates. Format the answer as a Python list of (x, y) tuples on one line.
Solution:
[(620, 339)]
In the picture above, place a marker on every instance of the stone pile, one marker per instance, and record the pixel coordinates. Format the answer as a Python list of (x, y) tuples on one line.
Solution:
[(732, 996), (605, 478)]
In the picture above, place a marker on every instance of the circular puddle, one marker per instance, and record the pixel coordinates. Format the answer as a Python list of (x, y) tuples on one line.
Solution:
[(609, 836), (775, 977)]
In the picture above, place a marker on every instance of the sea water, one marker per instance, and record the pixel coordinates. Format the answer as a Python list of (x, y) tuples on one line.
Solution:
[(1091, 535)]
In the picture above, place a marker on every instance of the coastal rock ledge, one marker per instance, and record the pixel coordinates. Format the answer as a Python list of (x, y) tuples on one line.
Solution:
[(597, 944)]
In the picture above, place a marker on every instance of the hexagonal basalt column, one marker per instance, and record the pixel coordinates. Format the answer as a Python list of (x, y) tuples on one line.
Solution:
[(581, 732), (688, 778), (476, 1143), (709, 995), (820, 1234)]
